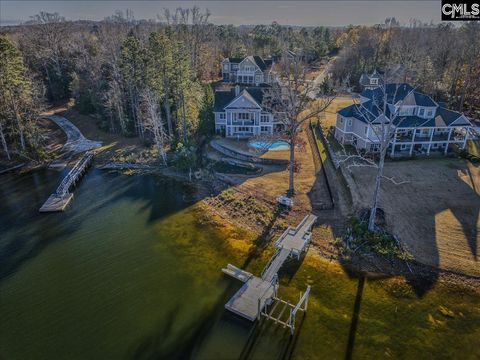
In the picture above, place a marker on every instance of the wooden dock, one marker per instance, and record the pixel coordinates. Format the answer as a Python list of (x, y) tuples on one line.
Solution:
[(59, 200), (258, 293), (297, 239)]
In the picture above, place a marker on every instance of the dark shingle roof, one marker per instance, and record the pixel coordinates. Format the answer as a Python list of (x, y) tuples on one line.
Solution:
[(235, 60), (450, 117), (411, 121), (365, 112), (368, 112), (263, 64), (400, 92), (225, 97), (222, 99), (395, 93), (260, 62), (423, 100), (365, 78)]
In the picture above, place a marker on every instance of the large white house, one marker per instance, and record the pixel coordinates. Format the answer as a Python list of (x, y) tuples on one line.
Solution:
[(252, 70), (421, 126), (239, 113)]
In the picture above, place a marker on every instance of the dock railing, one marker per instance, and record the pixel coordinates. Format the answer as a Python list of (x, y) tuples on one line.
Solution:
[(73, 174), (303, 301)]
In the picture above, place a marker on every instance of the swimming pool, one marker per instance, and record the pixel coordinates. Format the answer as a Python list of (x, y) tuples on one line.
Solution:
[(269, 145)]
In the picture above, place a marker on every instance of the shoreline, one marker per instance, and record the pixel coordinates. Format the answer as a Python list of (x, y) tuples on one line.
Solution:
[(374, 266), (370, 266)]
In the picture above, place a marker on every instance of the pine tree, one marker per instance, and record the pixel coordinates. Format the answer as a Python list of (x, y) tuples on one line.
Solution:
[(132, 67), (17, 100)]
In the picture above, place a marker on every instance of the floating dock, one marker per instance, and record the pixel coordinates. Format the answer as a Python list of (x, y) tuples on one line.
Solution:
[(258, 293), (60, 199)]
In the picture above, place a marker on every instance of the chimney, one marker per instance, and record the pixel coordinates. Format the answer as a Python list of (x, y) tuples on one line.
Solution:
[(237, 90)]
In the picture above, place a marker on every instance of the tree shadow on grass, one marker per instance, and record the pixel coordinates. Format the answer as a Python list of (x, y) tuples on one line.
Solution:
[(355, 316), (264, 239)]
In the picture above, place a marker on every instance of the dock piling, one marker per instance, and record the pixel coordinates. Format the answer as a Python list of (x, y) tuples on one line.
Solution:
[(257, 293)]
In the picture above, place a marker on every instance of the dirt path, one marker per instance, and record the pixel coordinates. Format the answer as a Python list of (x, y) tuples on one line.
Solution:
[(76, 142)]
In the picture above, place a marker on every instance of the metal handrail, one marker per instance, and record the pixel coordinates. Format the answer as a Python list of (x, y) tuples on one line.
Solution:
[(64, 186)]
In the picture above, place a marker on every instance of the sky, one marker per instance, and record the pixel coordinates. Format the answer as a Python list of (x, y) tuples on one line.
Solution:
[(308, 13)]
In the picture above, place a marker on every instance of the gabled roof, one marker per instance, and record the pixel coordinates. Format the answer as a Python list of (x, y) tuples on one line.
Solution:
[(263, 64), (245, 95), (365, 78), (260, 62), (423, 100), (368, 113), (226, 97), (400, 92), (234, 60), (222, 99), (394, 92), (450, 117)]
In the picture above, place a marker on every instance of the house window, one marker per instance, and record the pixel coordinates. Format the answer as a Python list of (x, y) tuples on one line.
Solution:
[(429, 113), (225, 67), (341, 120), (349, 122), (404, 111), (222, 116), (264, 118), (244, 116), (374, 81), (375, 147), (366, 130), (403, 147), (264, 128), (421, 111)]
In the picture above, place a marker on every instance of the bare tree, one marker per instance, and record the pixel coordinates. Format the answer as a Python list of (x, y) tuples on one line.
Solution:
[(382, 113), (4, 141), (154, 123), (293, 100)]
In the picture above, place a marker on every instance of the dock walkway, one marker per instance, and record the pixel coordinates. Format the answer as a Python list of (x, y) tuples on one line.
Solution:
[(60, 199), (259, 292)]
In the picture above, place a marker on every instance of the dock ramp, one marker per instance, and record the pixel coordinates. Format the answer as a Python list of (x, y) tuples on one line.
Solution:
[(258, 293)]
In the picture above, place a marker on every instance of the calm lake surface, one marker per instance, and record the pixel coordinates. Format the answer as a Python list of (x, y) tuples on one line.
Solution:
[(132, 271)]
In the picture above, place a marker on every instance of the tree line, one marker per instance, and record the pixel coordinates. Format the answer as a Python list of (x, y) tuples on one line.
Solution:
[(441, 60), (149, 79)]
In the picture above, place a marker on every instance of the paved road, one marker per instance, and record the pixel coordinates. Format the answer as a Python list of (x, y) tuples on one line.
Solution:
[(319, 79), (76, 142)]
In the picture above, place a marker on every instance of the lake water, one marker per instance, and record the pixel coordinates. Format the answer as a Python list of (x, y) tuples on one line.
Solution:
[(132, 271)]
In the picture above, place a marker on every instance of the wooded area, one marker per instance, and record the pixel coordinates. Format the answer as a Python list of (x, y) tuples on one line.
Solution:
[(139, 78), (153, 79), (440, 60)]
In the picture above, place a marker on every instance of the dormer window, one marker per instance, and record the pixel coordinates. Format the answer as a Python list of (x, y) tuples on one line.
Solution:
[(429, 113), (421, 112), (374, 81)]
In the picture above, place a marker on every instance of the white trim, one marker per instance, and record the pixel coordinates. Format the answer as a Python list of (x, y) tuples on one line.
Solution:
[(242, 95), (358, 136), (247, 58)]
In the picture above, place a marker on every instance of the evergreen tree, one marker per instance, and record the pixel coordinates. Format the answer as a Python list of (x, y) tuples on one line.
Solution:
[(18, 105)]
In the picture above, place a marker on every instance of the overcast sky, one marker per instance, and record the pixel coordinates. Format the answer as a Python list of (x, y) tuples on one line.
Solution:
[(329, 13)]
